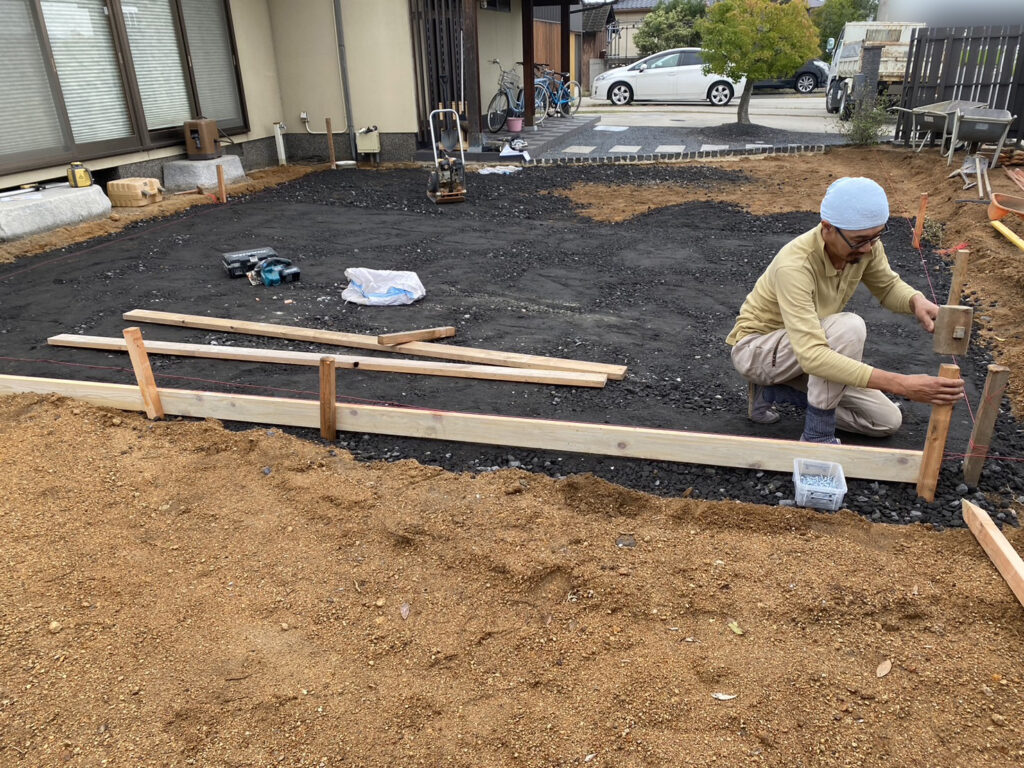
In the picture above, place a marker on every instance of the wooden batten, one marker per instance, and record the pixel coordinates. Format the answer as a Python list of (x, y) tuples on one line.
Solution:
[(363, 363), (360, 341), (984, 423), (426, 334), (143, 372), (883, 464), (1004, 557)]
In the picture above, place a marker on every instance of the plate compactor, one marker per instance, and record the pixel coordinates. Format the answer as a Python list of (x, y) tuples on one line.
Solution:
[(447, 182)]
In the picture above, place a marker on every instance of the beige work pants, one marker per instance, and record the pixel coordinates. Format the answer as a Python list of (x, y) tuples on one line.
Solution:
[(769, 359)]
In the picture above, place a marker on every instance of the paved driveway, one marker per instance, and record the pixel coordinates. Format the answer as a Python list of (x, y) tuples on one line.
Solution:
[(779, 118)]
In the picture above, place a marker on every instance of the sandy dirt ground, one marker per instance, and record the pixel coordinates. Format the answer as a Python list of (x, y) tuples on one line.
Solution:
[(175, 593)]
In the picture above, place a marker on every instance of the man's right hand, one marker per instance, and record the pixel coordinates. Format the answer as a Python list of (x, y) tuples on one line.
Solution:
[(932, 389)]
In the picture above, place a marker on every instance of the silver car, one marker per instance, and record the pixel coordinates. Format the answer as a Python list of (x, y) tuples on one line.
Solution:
[(674, 75)]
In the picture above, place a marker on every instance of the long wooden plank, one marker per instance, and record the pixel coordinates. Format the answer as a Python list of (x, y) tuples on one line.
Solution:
[(629, 442), (425, 334), (363, 363), (360, 341), (999, 550)]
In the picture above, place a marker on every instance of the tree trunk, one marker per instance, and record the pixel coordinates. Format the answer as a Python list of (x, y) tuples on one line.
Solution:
[(742, 114)]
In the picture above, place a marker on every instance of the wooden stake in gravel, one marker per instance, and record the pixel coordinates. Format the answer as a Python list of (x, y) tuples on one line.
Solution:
[(330, 144), (935, 441), (328, 396), (919, 226), (427, 334), (222, 190), (999, 550), (956, 287), (143, 373), (984, 423)]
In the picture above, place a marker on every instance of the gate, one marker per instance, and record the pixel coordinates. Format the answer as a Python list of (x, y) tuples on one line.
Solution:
[(439, 42)]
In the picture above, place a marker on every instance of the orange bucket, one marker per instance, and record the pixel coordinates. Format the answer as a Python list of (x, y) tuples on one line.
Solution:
[(1002, 206)]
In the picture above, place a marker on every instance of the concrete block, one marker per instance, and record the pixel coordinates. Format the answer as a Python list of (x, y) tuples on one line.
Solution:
[(188, 174), (32, 212)]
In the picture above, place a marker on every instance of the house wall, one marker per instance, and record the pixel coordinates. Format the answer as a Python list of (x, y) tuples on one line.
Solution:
[(500, 36), (288, 58)]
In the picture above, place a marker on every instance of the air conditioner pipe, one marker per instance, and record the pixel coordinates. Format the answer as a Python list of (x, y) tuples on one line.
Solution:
[(279, 129)]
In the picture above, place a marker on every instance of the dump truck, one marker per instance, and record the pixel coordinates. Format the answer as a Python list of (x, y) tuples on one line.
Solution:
[(847, 79)]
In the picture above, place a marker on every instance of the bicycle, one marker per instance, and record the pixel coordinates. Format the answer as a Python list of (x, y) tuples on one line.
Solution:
[(564, 96), (503, 104)]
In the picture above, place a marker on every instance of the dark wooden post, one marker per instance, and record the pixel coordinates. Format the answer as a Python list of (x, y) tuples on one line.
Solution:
[(564, 31), (528, 62), (328, 396), (471, 56)]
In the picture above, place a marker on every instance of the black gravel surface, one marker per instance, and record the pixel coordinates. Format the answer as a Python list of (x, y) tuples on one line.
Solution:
[(514, 269)]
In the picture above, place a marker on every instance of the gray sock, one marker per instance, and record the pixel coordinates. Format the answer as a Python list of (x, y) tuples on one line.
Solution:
[(820, 426)]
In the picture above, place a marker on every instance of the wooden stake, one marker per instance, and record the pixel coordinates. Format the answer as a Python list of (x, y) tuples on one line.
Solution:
[(222, 190), (328, 398), (330, 144), (952, 334), (999, 550), (886, 464), (935, 441), (919, 226), (984, 423), (956, 286), (143, 373), (427, 334)]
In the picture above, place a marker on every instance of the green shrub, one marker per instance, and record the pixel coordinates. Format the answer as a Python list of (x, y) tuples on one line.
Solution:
[(867, 123)]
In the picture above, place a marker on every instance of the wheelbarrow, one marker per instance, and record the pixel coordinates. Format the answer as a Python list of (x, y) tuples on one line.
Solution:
[(1002, 206)]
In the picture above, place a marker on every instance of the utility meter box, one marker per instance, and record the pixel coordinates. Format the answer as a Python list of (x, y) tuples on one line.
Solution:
[(368, 140), (201, 139)]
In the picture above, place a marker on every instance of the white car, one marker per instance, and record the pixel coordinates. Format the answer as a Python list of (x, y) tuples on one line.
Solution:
[(667, 76)]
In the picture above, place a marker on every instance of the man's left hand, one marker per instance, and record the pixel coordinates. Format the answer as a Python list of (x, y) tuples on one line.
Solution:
[(925, 311)]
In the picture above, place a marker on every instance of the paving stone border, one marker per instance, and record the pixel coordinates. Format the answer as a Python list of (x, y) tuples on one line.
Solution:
[(786, 149)]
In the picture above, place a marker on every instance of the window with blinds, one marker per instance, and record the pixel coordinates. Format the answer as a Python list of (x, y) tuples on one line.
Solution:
[(156, 57), (209, 43), (30, 121), (88, 78)]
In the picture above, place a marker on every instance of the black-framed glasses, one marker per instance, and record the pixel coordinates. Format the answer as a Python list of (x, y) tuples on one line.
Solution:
[(860, 244)]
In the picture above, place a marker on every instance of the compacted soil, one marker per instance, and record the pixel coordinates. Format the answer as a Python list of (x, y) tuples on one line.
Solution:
[(192, 593)]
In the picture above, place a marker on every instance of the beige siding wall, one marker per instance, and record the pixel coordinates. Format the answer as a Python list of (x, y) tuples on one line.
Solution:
[(378, 47), (288, 57), (501, 37)]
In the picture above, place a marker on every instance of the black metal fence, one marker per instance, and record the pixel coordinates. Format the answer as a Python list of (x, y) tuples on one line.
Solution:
[(983, 64)]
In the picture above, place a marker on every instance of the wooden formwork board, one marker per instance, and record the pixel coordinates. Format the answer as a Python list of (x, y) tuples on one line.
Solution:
[(885, 464), (361, 341), (362, 362)]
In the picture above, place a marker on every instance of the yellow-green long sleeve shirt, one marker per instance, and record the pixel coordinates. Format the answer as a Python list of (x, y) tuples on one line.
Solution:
[(801, 286)]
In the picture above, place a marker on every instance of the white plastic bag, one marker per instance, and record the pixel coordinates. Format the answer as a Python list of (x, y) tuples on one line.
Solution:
[(382, 287)]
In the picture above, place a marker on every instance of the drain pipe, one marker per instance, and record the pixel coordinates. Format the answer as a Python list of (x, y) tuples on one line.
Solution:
[(279, 129), (344, 79)]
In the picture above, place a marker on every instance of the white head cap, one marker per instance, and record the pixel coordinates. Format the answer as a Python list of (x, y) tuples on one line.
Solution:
[(854, 202)]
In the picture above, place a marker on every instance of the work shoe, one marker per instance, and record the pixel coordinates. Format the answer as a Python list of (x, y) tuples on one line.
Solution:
[(759, 409)]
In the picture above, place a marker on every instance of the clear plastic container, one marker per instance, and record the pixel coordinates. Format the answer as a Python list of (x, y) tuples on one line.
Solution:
[(819, 484)]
